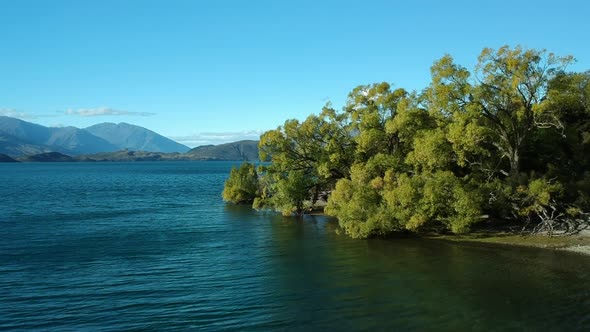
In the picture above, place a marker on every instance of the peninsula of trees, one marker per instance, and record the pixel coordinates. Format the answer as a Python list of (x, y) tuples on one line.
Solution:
[(507, 140)]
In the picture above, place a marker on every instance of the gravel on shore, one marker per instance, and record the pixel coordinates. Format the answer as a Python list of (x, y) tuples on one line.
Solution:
[(578, 243)]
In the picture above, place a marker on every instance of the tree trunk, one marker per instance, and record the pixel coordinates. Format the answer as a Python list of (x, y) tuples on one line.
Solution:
[(514, 163)]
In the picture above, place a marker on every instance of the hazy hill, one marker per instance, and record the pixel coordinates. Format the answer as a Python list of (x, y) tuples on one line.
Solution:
[(18, 137), (7, 159), (109, 141), (77, 141), (126, 155), (48, 157), (15, 147), (241, 150), (127, 136), (24, 131)]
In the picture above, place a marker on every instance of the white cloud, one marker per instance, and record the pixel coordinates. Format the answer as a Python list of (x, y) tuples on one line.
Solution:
[(215, 138), (22, 115), (104, 111)]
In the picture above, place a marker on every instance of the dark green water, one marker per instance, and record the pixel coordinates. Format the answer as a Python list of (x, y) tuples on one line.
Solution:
[(151, 246)]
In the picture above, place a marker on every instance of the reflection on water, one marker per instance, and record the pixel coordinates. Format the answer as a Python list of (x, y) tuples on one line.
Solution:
[(413, 284), (151, 246)]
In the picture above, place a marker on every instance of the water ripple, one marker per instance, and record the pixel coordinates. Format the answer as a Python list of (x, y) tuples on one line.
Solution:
[(151, 246)]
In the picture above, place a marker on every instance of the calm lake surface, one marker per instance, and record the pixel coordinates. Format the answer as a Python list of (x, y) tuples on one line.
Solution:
[(151, 246)]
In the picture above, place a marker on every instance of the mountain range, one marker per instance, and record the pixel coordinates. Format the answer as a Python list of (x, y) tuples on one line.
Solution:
[(18, 137), (242, 150), (29, 142), (131, 137)]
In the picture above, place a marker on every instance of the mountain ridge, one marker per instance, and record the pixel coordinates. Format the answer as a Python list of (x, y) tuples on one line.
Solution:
[(132, 137), (240, 152), (7, 159), (19, 137), (246, 150)]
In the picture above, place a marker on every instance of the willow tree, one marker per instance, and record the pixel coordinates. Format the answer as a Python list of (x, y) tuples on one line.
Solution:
[(398, 181), (507, 92), (508, 121), (564, 155), (307, 158), (371, 109), (510, 139), (242, 185), (569, 100)]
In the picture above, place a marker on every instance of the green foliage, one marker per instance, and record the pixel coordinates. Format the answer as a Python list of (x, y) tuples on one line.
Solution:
[(371, 207), (372, 110), (434, 197), (242, 185), (505, 97), (537, 196), (431, 151), (291, 194), (358, 205), (509, 140), (307, 159)]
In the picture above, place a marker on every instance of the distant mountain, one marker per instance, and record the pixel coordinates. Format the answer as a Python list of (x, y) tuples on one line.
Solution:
[(126, 155), (15, 147), (24, 131), (127, 136), (7, 159), (108, 141), (18, 137), (77, 141), (48, 157), (241, 150)]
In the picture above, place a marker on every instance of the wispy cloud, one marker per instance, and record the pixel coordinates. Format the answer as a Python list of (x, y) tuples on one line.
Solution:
[(23, 115), (215, 138), (104, 111)]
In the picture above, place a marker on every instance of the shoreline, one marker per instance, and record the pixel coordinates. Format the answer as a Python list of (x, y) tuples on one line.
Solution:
[(578, 243)]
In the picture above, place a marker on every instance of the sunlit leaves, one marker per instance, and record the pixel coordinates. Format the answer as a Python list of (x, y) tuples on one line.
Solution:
[(431, 151), (509, 139), (503, 95), (242, 185), (307, 159)]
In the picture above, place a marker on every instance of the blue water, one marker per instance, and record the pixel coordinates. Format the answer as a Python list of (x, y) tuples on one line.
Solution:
[(151, 246)]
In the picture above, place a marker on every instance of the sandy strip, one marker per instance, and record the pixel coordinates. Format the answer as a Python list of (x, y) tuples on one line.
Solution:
[(579, 249)]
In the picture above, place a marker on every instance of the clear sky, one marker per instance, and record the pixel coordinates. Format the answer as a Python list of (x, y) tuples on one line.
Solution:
[(216, 71)]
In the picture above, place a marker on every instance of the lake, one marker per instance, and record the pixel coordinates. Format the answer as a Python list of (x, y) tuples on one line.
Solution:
[(151, 246)]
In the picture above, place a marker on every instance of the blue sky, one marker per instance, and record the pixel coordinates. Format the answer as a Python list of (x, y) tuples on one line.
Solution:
[(216, 71)]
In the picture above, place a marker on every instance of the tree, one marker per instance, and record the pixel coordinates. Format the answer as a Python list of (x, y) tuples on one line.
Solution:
[(505, 96), (291, 193), (358, 202), (307, 159), (374, 206), (242, 185), (371, 109), (510, 141), (564, 155), (401, 179)]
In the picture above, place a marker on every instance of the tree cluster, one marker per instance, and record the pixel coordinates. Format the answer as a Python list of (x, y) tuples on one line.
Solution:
[(507, 141)]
